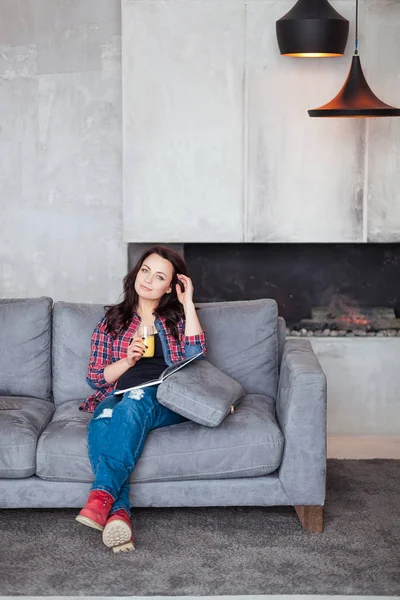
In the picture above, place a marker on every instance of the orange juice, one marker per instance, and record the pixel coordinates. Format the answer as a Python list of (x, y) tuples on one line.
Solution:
[(149, 341)]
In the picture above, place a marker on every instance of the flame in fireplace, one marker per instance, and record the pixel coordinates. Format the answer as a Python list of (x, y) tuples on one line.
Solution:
[(347, 312), (353, 318)]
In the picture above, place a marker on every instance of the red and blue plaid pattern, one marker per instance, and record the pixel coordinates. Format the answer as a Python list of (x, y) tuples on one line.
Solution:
[(106, 349)]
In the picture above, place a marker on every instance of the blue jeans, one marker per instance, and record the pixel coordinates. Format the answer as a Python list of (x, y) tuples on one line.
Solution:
[(116, 437)]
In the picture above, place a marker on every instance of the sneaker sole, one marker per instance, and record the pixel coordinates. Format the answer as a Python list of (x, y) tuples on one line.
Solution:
[(117, 535), (89, 523)]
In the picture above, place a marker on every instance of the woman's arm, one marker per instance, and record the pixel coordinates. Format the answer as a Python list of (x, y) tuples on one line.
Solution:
[(101, 370), (135, 351), (100, 356), (192, 323), (185, 297), (113, 371), (193, 339)]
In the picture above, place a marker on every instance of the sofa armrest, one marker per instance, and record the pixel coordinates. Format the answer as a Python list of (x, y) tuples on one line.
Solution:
[(301, 412)]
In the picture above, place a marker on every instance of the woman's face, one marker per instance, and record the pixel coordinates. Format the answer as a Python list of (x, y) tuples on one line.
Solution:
[(154, 278)]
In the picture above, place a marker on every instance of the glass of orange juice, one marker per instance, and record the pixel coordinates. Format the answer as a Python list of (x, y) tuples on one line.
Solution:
[(147, 332)]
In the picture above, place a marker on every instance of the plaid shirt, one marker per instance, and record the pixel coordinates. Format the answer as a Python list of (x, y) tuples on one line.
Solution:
[(106, 349)]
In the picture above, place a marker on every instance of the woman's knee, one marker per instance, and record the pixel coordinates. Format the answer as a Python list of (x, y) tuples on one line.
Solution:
[(105, 408), (134, 403), (138, 399), (137, 395)]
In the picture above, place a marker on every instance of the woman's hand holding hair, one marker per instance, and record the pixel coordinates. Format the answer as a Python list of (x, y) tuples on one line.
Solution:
[(185, 297)]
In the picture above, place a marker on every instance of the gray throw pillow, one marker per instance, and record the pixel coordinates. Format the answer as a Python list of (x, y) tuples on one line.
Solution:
[(201, 393)]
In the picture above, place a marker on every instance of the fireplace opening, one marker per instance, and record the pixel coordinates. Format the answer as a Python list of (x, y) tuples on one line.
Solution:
[(367, 321), (321, 289)]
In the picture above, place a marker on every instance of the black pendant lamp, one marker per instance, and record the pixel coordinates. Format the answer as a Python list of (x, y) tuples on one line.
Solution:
[(312, 29), (355, 99)]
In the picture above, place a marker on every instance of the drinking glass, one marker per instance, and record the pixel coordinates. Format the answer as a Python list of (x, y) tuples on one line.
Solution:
[(147, 333)]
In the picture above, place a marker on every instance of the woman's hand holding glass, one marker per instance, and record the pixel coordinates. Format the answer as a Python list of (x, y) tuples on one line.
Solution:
[(136, 349)]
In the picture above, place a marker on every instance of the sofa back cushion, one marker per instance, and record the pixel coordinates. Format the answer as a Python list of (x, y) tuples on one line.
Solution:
[(73, 325), (25, 347), (242, 341)]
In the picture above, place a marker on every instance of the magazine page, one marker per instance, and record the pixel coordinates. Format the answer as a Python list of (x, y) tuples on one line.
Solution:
[(178, 365), (164, 375)]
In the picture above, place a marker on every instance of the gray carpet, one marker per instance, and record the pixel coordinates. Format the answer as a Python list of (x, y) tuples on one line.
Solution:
[(214, 551)]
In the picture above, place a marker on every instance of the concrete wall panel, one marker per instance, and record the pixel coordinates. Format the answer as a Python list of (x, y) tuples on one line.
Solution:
[(183, 70), (60, 151)]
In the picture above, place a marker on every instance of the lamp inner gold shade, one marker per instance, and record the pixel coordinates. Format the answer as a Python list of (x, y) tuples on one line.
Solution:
[(312, 54)]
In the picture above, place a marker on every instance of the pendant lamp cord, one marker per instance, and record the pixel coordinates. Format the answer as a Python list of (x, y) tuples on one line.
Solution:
[(356, 41)]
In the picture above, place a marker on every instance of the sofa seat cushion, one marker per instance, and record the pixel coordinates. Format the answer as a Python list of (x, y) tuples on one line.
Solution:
[(247, 443), (20, 428)]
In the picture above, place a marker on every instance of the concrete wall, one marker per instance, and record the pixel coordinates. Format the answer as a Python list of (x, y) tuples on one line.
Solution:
[(60, 149), (218, 145), (217, 142), (363, 384)]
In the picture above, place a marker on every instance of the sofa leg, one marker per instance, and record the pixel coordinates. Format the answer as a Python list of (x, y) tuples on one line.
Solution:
[(311, 517)]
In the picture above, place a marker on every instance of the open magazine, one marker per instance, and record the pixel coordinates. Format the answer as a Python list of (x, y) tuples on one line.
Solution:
[(164, 375)]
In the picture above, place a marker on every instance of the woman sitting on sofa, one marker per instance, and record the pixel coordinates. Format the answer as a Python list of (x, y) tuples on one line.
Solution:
[(158, 293)]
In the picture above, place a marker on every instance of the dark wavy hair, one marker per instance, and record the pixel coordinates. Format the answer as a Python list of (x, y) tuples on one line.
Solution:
[(119, 315)]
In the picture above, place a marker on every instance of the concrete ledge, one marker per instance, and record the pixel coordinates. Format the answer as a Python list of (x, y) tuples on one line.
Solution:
[(363, 446), (363, 384)]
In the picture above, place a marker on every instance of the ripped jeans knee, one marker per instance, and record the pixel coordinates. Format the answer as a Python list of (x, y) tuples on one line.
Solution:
[(104, 410), (135, 394), (106, 413)]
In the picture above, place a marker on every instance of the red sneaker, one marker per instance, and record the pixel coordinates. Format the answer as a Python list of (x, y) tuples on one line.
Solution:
[(117, 533), (96, 510)]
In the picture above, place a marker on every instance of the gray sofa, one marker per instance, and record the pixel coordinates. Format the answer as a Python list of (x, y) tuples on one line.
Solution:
[(270, 452)]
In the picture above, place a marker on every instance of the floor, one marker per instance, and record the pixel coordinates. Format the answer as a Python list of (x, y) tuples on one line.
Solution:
[(362, 447), (317, 597)]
